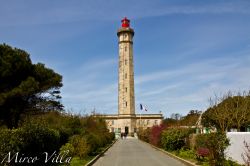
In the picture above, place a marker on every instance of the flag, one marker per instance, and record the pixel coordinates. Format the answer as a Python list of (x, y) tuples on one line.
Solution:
[(143, 108)]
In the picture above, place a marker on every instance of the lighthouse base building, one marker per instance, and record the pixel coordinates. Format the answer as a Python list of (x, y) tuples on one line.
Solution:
[(127, 121), (131, 124)]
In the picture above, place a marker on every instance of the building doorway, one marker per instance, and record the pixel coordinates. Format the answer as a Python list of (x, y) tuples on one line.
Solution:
[(126, 130)]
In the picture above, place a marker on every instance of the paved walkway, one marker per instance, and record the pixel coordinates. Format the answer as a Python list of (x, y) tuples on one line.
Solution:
[(133, 152)]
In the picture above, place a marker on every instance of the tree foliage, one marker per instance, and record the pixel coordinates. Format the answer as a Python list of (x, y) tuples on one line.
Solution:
[(177, 120), (54, 131), (25, 87), (228, 111), (216, 143), (81, 146), (32, 139), (191, 118)]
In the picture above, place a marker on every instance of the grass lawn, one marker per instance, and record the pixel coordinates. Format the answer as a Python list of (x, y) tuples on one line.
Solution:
[(76, 161)]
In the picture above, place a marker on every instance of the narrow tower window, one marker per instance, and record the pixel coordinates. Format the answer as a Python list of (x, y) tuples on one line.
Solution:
[(126, 61), (125, 75), (126, 89), (125, 48), (120, 63)]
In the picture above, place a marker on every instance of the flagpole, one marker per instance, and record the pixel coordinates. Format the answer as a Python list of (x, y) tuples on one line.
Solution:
[(140, 118)]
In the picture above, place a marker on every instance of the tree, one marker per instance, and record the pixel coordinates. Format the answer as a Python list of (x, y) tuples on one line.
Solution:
[(241, 110), (191, 118), (176, 116), (178, 120), (25, 87), (228, 111), (219, 114), (170, 122)]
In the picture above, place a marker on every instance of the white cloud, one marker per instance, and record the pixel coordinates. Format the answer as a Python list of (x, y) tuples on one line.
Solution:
[(171, 90), (85, 89), (189, 87)]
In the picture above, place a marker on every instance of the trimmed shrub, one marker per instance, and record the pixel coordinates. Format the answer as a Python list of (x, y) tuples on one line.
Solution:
[(175, 138), (216, 143)]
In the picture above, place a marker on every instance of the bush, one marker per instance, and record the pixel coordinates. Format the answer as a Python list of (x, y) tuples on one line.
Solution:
[(32, 140), (216, 143), (107, 138), (155, 134), (175, 138), (95, 141), (144, 134), (111, 137), (202, 152), (10, 142), (49, 131), (187, 154), (231, 163), (68, 147), (38, 138), (80, 144)]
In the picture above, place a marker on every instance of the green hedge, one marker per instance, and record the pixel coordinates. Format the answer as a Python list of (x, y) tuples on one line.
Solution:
[(52, 132), (175, 138), (31, 140)]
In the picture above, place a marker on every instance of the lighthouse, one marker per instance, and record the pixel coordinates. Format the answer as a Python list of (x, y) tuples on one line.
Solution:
[(126, 95), (127, 121)]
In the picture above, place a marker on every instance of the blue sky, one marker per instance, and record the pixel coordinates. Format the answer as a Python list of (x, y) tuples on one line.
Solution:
[(184, 51)]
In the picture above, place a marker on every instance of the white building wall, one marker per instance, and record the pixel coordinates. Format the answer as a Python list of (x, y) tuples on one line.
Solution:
[(237, 148)]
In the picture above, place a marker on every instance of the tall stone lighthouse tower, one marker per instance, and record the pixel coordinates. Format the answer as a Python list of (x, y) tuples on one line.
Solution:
[(126, 97), (126, 121)]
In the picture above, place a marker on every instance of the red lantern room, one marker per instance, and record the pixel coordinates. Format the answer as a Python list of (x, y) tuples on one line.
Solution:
[(125, 22)]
